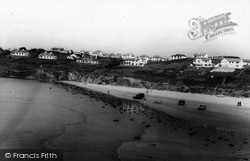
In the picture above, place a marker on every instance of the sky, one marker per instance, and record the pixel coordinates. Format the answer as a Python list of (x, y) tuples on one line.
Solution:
[(152, 27)]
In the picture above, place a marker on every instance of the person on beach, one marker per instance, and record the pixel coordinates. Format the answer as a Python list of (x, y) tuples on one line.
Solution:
[(144, 100), (108, 92)]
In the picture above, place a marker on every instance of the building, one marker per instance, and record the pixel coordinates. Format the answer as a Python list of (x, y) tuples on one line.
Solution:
[(232, 62), (157, 58), (246, 61), (74, 56), (128, 56), (87, 60), (144, 57), (200, 55), (20, 53), (203, 62), (97, 53), (112, 55), (135, 62), (178, 56), (47, 55)]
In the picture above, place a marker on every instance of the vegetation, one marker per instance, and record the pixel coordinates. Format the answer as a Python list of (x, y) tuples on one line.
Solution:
[(174, 73)]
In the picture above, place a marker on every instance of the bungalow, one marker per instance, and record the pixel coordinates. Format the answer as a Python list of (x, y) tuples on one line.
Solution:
[(112, 55), (200, 55), (87, 60), (20, 53), (157, 58), (57, 49), (232, 62), (144, 57), (74, 56), (203, 62), (128, 56), (246, 61), (47, 55), (97, 53), (135, 62), (178, 56)]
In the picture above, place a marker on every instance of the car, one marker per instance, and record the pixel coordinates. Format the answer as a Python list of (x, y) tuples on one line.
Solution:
[(181, 102), (139, 96), (202, 107), (220, 95)]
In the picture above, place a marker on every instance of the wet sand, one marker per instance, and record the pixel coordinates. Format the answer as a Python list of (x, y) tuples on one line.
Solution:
[(36, 115), (182, 132)]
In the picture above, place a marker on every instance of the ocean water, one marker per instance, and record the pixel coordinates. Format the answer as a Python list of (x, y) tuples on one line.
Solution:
[(36, 115)]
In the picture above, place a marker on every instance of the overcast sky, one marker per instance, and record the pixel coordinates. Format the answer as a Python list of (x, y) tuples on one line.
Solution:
[(152, 27)]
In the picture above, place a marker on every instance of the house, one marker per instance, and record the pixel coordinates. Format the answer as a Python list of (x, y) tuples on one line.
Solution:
[(48, 55), (200, 55), (246, 61), (21, 52), (135, 62), (144, 57), (178, 56), (203, 62), (232, 62), (112, 55), (128, 56), (74, 56), (97, 53), (87, 60), (157, 58)]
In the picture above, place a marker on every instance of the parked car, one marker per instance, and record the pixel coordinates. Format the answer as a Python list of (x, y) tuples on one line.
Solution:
[(202, 107), (181, 102), (139, 96), (220, 95)]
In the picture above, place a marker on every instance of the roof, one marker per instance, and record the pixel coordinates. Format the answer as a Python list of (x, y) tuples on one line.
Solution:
[(200, 54), (205, 59), (47, 53), (216, 61), (233, 59), (178, 55), (156, 56), (246, 60)]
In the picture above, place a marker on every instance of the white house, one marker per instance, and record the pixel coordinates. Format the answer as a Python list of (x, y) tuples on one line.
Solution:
[(135, 62), (47, 55), (21, 53), (232, 62), (203, 62), (157, 58), (200, 55), (97, 53), (112, 55), (145, 57), (128, 56), (178, 56), (246, 61), (74, 56), (87, 60)]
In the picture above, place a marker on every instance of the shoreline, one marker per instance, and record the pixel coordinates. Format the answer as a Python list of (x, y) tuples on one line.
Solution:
[(55, 81), (117, 127), (218, 108)]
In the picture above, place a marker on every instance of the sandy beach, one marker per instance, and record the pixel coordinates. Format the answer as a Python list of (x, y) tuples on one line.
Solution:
[(219, 133), (97, 126)]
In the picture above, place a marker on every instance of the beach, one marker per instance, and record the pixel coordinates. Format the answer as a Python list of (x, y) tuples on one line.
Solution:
[(89, 123), (219, 133)]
